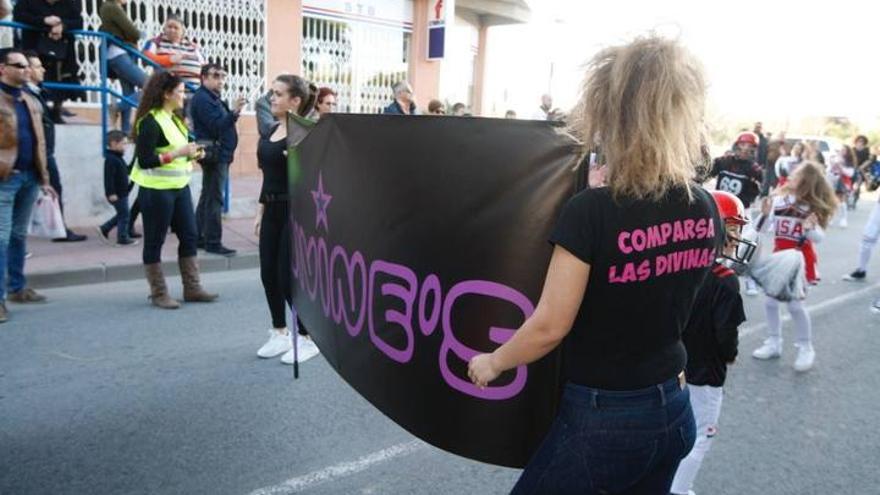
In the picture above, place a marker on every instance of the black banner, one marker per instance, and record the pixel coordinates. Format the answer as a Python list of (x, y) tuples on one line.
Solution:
[(419, 242)]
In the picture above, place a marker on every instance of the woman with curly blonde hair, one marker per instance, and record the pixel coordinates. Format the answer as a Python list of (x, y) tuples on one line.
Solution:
[(650, 238)]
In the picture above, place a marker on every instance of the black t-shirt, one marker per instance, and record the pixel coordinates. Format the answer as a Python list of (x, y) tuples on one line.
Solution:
[(647, 261), (272, 159), (742, 178), (711, 335)]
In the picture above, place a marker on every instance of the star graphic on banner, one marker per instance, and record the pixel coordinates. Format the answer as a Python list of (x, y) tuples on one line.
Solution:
[(322, 201)]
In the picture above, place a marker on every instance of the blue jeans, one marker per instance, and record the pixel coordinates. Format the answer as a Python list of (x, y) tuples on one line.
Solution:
[(209, 212), (130, 76), (119, 220), (17, 196), (613, 442), (167, 208)]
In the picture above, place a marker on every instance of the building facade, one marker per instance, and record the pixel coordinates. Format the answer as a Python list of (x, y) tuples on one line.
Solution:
[(360, 48)]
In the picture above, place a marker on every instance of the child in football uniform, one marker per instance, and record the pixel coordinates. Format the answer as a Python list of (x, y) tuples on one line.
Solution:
[(738, 173), (797, 216), (711, 337)]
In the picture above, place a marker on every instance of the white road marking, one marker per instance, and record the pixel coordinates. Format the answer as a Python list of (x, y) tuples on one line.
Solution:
[(341, 470), (815, 308), (74, 358)]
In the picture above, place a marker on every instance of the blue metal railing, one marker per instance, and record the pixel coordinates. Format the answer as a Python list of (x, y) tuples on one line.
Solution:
[(103, 89)]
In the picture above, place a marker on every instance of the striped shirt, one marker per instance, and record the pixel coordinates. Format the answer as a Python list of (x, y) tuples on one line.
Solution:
[(160, 50)]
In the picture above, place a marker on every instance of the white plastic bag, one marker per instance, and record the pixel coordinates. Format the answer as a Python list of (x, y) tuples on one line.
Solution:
[(46, 219)]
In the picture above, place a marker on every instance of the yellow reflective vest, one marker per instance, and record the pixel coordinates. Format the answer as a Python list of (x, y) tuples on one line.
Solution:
[(172, 175)]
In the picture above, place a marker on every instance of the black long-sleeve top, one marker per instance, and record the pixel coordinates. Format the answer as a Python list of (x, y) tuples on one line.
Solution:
[(149, 138), (272, 159)]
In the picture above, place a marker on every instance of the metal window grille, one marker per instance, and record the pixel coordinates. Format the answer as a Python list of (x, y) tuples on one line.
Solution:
[(360, 61), (228, 32)]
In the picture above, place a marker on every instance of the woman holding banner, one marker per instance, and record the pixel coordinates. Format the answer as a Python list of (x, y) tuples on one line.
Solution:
[(647, 239), (289, 94)]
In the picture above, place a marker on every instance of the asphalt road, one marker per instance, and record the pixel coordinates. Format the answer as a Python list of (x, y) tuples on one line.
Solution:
[(102, 394)]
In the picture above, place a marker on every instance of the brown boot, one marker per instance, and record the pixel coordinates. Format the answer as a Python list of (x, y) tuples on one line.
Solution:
[(158, 290), (192, 288)]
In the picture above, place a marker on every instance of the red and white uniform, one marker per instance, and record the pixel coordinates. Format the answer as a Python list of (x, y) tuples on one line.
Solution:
[(786, 221), (840, 175)]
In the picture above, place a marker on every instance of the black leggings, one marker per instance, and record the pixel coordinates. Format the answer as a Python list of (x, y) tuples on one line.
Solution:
[(163, 208), (275, 260)]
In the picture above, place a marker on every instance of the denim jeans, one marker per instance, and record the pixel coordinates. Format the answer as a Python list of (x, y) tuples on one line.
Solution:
[(119, 220), (209, 213), (130, 76), (163, 208), (17, 196), (620, 442)]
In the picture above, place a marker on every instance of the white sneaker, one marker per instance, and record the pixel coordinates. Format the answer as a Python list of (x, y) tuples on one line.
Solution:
[(278, 343), (306, 349), (805, 357), (772, 348)]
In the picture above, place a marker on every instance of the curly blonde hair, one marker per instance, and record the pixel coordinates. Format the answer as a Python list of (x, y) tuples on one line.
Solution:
[(809, 186), (643, 105)]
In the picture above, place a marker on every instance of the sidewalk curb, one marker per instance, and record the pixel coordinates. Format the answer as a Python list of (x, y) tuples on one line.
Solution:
[(98, 274)]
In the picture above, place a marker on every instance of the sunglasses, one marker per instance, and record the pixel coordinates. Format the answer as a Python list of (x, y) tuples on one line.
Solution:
[(18, 65)]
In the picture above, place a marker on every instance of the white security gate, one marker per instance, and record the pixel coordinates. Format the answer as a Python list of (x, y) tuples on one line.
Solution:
[(229, 32), (357, 52)]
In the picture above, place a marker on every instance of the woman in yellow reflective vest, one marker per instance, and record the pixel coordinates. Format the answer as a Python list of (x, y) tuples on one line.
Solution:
[(162, 168)]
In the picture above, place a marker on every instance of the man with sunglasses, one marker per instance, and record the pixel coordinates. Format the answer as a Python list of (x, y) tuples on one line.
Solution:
[(23, 172), (214, 126)]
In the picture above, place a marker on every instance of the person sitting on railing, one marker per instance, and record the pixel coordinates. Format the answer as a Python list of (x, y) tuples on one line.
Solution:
[(175, 52), (54, 19), (115, 21)]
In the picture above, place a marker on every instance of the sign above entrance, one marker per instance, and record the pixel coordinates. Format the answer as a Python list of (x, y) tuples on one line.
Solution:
[(389, 13), (437, 28)]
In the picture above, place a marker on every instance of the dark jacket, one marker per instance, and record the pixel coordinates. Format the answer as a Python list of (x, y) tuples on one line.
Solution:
[(763, 145), (395, 109), (115, 174), (711, 336), (33, 12), (213, 120), (43, 96)]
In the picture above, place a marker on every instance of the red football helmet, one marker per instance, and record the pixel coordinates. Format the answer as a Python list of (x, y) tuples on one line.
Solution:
[(732, 212), (747, 138), (730, 208)]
